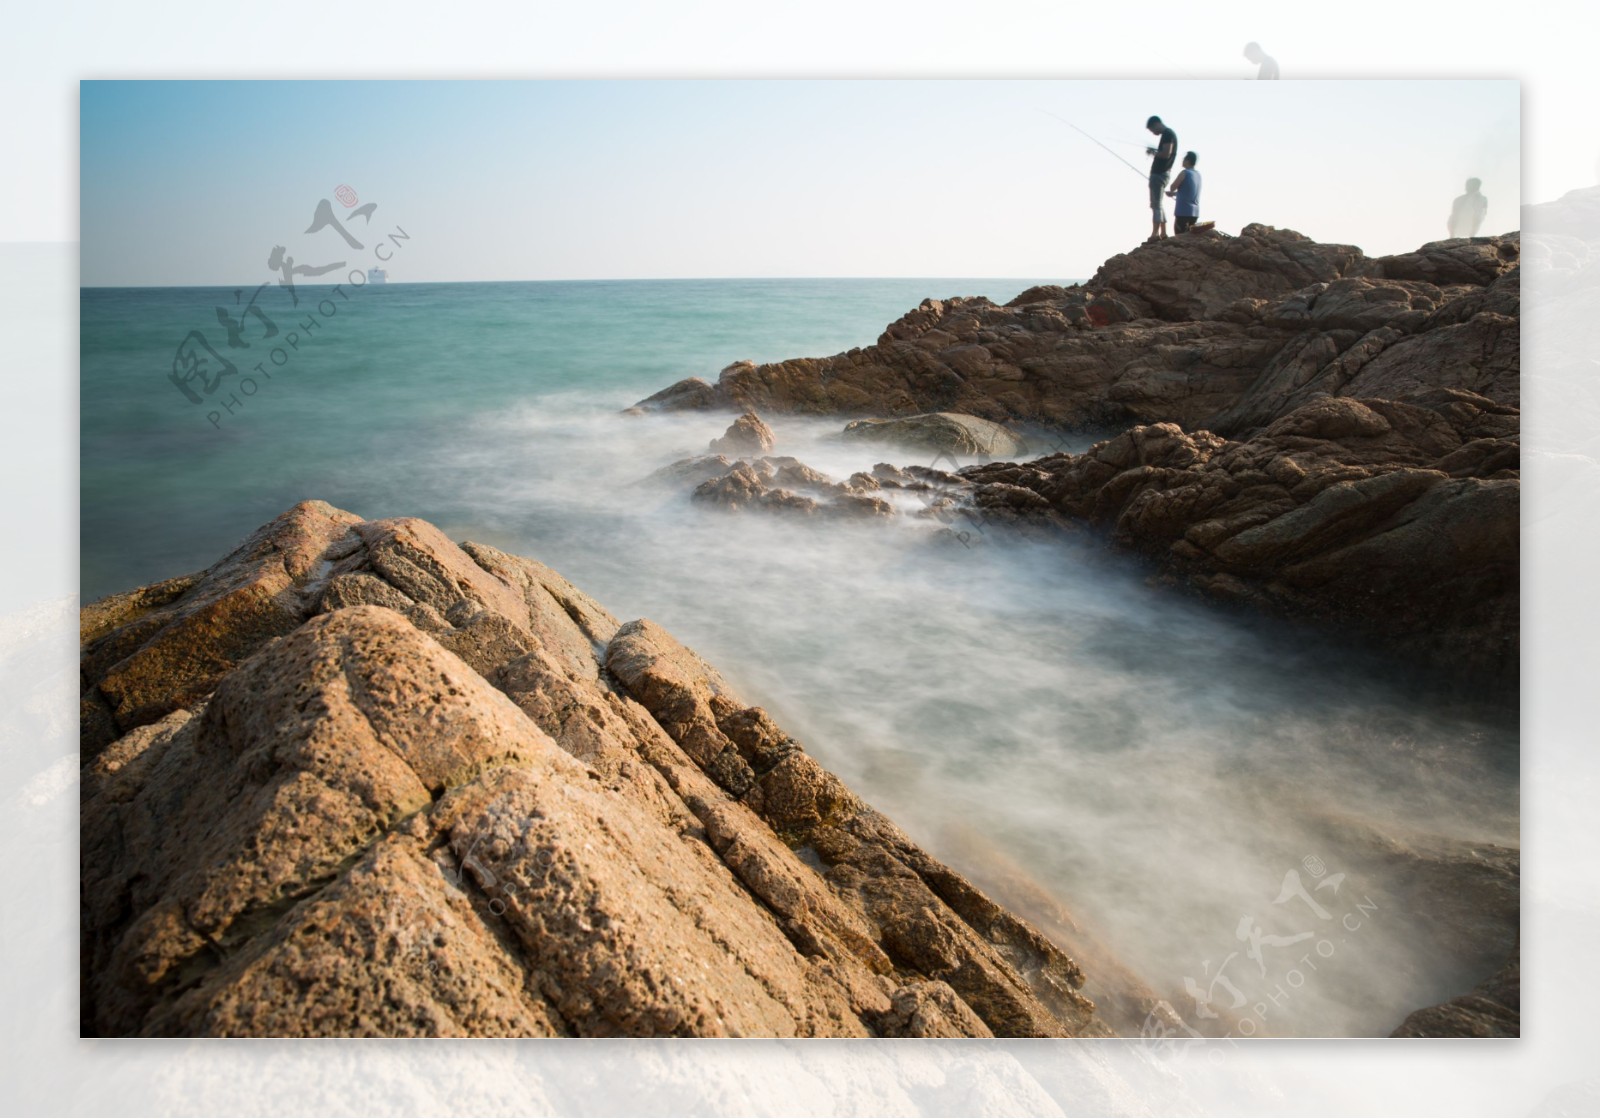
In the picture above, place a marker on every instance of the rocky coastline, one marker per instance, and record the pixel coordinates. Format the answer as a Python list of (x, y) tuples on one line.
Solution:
[(1290, 425), (356, 779)]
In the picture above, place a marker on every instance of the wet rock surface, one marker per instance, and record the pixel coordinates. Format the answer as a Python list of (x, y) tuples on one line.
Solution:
[(356, 779)]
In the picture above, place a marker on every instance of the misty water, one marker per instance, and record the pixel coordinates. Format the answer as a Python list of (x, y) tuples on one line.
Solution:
[(1188, 782)]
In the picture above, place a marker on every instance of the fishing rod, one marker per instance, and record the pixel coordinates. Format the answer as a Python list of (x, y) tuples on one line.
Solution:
[(1107, 150)]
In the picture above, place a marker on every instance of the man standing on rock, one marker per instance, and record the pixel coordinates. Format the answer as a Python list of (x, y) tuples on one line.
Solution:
[(1186, 189), (1466, 215), (1161, 157)]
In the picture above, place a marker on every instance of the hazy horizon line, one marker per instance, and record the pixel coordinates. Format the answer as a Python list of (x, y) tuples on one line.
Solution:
[(557, 280)]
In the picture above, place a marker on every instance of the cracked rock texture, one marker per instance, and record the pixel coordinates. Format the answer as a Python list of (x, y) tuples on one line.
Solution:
[(1394, 520), (358, 780)]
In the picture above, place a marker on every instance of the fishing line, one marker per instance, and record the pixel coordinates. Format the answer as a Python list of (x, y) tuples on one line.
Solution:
[(1106, 149)]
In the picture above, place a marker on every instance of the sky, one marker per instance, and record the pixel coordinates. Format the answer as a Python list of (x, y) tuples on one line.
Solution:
[(196, 182)]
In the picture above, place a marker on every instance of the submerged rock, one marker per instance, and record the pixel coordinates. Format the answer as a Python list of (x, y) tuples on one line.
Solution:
[(860, 505), (941, 431), (739, 488), (691, 471), (781, 485), (746, 435), (691, 393), (356, 779)]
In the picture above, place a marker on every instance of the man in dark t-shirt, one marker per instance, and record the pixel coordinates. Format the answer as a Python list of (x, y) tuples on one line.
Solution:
[(1161, 157)]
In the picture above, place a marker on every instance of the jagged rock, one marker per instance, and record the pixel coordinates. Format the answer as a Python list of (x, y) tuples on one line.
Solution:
[(747, 486), (859, 505), (930, 1010), (437, 790), (1041, 295), (787, 471), (691, 393), (691, 471), (772, 483), (746, 435), (786, 501), (1196, 277), (1206, 331), (949, 432), (1397, 520), (1379, 338), (929, 475), (1463, 260), (1491, 1009), (739, 488), (199, 627), (887, 474)]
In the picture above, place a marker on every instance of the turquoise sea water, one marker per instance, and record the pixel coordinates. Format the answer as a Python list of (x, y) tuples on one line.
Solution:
[(393, 369), (1152, 763)]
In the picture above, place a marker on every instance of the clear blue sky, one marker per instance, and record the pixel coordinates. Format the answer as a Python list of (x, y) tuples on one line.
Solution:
[(195, 182)]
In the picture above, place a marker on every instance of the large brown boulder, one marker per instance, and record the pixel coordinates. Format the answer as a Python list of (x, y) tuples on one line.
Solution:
[(408, 788), (1389, 339), (948, 432), (1201, 275), (1461, 260), (1204, 331)]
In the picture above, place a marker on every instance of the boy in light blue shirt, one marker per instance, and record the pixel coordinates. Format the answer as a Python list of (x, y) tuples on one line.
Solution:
[(1186, 189)]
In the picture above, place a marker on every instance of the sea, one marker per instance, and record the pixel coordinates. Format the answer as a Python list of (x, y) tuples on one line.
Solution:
[(1233, 809)]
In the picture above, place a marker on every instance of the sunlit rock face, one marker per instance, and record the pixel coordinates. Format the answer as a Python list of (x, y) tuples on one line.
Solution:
[(1202, 330), (356, 779)]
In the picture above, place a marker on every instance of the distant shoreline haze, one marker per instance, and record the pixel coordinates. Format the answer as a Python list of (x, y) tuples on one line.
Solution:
[(596, 280)]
